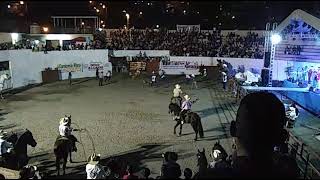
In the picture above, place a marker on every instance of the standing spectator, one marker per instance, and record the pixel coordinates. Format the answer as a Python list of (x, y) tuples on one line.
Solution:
[(108, 76), (153, 79), (188, 78), (224, 80), (129, 173), (101, 78), (187, 173), (70, 78), (170, 168), (97, 73), (194, 82), (94, 169), (6, 147)]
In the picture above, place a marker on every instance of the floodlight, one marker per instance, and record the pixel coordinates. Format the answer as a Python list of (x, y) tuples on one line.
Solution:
[(275, 38)]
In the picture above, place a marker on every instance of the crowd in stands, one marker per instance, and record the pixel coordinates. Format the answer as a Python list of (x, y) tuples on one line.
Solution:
[(293, 50), (189, 43), (179, 43)]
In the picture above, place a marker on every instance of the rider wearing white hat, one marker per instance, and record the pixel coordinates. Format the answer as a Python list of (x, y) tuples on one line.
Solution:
[(186, 106), (177, 92), (65, 127), (94, 169)]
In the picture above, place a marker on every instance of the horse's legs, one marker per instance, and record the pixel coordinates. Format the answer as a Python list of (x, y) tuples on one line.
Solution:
[(58, 165), (70, 158), (195, 128), (180, 129), (65, 159), (174, 131)]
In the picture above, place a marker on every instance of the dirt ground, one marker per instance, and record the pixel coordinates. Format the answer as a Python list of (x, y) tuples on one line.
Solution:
[(125, 119)]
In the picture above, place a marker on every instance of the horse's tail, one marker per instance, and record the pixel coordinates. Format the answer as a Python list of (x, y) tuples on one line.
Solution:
[(200, 128)]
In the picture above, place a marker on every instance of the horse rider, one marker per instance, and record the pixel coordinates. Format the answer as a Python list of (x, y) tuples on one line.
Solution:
[(186, 106), (65, 130), (6, 147), (177, 93)]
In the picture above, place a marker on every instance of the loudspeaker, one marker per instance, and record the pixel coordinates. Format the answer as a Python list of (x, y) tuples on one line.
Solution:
[(264, 77), (267, 59)]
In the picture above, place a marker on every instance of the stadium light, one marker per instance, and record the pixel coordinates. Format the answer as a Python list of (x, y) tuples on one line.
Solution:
[(275, 38), (157, 26), (21, 2), (9, 6), (45, 29)]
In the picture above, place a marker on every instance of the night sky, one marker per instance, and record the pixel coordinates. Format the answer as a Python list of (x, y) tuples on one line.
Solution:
[(248, 14)]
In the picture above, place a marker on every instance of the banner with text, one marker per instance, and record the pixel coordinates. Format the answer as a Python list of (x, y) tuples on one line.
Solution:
[(75, 67), (190, 28)]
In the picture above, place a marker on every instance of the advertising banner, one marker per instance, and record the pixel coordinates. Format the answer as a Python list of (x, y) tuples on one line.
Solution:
[(92, 66), (74, 67)]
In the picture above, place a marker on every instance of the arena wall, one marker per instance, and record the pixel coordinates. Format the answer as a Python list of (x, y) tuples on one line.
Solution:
[(26, 66), (212, 61)]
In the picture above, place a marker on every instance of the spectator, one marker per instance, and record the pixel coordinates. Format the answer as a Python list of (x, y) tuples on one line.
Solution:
[(224, 80), (146, 173), (170, 168), (108, 76), (129, 173), (29, 172), (70, 77), (187, 173), (153, 79), (101, 78), (250, 159), (97, 73), (6, 147), (94, 169)]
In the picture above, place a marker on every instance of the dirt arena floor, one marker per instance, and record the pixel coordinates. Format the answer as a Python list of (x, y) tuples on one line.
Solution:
[(126, 120)]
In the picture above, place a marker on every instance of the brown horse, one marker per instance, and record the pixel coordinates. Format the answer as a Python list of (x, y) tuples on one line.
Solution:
[(62, 148)]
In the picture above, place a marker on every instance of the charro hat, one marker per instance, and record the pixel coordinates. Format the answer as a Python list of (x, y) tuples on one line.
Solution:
[(94, 159), (178, 86), (187, 97), (64, 121)]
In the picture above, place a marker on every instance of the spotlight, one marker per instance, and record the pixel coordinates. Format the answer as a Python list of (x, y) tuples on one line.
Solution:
[(275, 38)]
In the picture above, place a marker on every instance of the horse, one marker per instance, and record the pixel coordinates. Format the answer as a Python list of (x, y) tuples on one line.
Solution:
[(20, 140), (208, 173), (3, 78), (190, 118), (62, 148)]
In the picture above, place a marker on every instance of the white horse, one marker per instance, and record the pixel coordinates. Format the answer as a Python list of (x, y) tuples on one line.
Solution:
[(3, 78)]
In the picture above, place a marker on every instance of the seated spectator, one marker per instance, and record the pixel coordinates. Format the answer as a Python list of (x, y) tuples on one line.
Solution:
[(146, 173), (29, 172), (187, 173), (129, 173), (170, 168), (252, 158), (94, 169)]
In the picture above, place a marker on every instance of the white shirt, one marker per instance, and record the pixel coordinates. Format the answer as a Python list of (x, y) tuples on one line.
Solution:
[(101, 75), (65, 130), (153, 78), (5, 146), (177, 92), (224, 77), (188, 76), (108, 74), (95, 172)]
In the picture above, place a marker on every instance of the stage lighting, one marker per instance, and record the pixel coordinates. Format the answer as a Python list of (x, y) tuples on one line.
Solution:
[(275, 39)]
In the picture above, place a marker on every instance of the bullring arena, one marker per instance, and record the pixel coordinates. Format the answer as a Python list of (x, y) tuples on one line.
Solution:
[(125, 119)]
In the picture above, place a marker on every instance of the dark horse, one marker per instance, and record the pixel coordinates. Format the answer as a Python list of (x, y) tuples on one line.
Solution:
[(19, 157), (205, 172), (62, 148), (190, 118)]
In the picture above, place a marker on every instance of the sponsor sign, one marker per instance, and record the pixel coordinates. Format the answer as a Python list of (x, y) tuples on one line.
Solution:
[(75, 67)]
